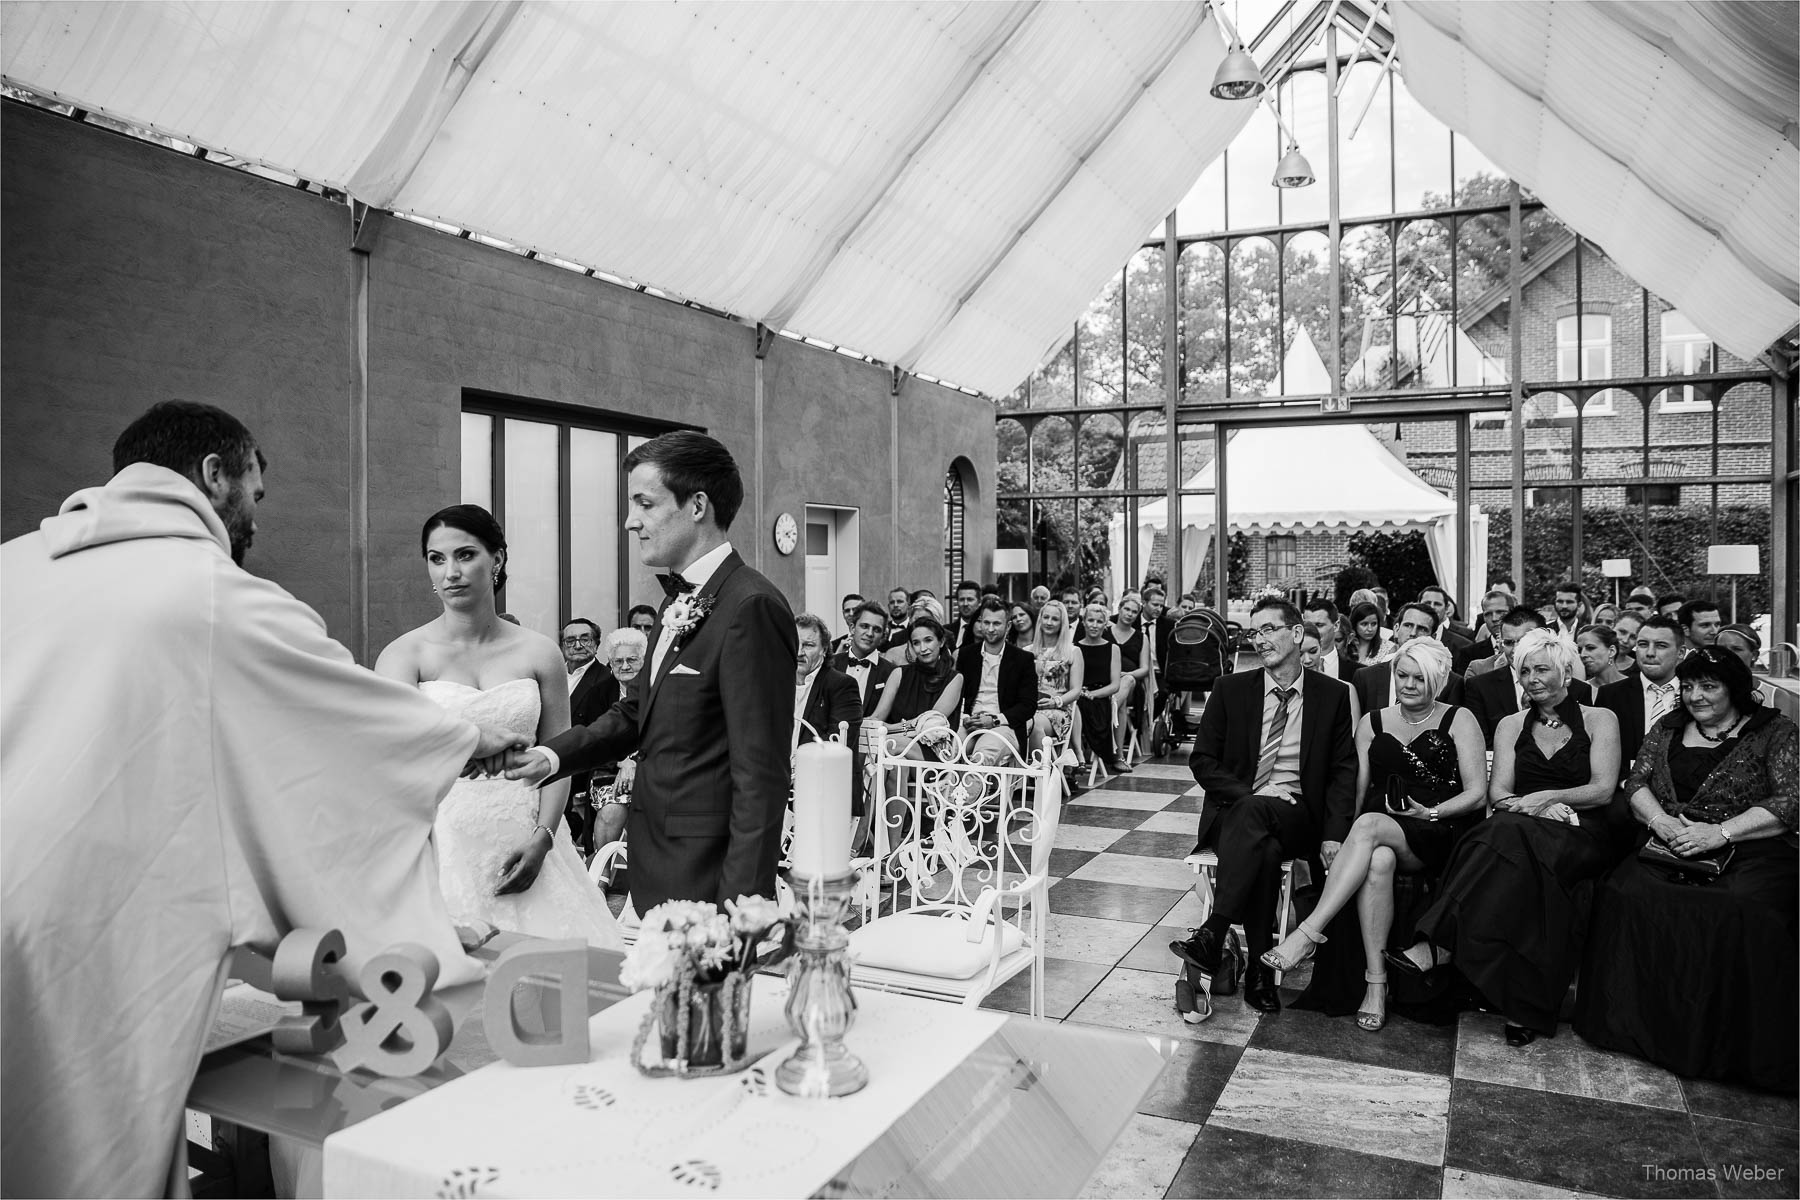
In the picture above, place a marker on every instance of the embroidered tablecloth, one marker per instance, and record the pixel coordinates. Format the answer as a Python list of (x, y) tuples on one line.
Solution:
[(602, 1129)]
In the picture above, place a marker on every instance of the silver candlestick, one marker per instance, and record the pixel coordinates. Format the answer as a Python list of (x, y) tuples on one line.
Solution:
[(821, 1007)]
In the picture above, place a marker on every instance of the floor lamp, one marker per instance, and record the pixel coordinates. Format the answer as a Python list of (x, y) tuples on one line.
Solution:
[(1732, 561), (1012, 562), (1615, 569)]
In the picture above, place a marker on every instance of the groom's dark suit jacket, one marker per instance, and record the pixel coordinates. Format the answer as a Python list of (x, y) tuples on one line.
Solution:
[(711, 731), (1229, 743)]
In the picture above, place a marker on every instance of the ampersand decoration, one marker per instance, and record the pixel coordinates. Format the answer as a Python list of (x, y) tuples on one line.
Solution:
[(306, 969), (402, 1028)]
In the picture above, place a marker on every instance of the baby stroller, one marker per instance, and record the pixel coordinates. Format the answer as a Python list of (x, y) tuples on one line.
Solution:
[(1200, 650)]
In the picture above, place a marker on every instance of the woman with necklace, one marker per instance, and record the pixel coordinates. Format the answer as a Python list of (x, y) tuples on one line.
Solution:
[(1421, 780), (1693, 971), (1508, 913), (1126, 632)]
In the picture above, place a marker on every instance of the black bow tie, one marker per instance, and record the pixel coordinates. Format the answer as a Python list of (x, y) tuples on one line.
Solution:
[(674, 585), (855, 663)]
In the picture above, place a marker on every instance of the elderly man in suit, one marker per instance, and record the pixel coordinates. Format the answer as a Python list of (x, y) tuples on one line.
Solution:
[(1497, 693), (1374, 684), (825, 699), (1276, 756), (711, 718)]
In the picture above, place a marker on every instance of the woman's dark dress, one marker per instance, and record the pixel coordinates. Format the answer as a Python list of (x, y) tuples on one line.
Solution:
[(918, 691), (1698, 977), (1431, 774), (1515, 897), (1096, 715)]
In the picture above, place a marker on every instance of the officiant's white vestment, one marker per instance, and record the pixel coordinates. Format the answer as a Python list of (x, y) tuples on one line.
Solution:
[(187, 763)]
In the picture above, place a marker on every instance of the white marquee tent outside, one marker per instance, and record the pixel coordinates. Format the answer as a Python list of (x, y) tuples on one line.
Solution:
[(1291, 479)]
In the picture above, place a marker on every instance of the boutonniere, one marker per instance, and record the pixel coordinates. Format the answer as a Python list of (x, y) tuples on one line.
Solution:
[(685, 613)]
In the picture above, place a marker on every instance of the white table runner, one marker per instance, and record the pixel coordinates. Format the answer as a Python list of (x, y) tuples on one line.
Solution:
[(602, 1129)]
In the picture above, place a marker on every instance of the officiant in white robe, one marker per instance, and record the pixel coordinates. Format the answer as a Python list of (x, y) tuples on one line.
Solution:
[(187, 764)]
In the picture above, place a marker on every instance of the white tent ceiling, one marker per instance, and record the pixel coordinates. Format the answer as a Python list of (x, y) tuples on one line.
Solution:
[(1665, 132), (943, 186)]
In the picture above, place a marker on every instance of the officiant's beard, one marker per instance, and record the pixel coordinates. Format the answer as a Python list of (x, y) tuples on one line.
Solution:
[(239, 517)]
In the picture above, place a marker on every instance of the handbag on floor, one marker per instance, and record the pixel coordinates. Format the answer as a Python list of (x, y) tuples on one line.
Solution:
[(1231, 966)]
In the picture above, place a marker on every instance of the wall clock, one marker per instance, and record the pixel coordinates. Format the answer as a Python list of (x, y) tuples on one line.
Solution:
[(787, 533)]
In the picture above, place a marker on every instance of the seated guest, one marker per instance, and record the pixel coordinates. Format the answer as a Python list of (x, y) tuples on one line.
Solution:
[(1374, 684), (1276, 757), (1454, 637), (1160, 624), (1134, 665), (850, 604), (899, 601), (960, 629), (1101, 678), (644, 619), (1493, 695), (1309, 650), (923, 604), (1670, 605), (1625, 631), (1606, 614), (1700, 623), (1369, 643), (1421, 781), (1483, 654), (1694, 972), (862, 660), (1508, 913), (1649, 694), (588, 698), (1059, 667), (999, 689), (1321, 617), (1040, 596), (921, 707), (1569, 611), (825, 700), (1743, 641), (626, 650), (1598, 648), (1641, 602), (1021, 624)]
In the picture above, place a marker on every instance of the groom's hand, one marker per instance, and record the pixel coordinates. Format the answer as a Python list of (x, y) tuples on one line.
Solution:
[(526, 764), (495, 741)]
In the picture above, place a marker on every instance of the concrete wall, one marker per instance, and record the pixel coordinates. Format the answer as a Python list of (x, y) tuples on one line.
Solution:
[(131, 273)]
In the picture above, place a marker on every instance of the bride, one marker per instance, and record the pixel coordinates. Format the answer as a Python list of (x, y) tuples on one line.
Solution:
[(503, 855)]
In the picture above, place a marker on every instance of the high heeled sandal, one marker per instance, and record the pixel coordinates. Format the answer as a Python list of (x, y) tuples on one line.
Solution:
[(1371, 1022), (1403, 961), (1275, 961)]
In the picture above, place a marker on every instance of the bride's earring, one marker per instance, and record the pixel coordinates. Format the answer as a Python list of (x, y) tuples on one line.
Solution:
[(496, 576)]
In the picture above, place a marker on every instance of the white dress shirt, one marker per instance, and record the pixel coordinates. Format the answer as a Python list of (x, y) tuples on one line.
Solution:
[(1328, 663), (861, 670), (987, 698), (1651, 692), (578, 672), (1287, 760), (802, 690)]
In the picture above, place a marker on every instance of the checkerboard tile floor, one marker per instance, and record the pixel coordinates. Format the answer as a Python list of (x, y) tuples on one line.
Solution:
[(1299, 1104)]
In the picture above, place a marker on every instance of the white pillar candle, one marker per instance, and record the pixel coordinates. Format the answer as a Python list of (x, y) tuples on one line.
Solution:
[(821, 846)]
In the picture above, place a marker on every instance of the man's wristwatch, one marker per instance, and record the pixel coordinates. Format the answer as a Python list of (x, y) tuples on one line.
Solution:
[(1724, 833)]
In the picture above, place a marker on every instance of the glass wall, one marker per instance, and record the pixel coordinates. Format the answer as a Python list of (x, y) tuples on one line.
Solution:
[(1636, 437)]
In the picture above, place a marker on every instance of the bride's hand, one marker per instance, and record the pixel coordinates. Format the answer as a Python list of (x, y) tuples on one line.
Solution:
[(520, 870), (495, 739), (527, 765)]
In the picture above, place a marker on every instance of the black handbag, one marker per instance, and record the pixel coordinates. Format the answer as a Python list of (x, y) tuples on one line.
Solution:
[(1231, 966), (1657, 852)]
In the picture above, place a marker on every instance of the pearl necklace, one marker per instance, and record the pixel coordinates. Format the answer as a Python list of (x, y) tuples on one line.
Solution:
[(1421, 720)]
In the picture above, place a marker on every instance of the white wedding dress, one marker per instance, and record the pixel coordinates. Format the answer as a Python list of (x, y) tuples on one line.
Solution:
[(482, 820)]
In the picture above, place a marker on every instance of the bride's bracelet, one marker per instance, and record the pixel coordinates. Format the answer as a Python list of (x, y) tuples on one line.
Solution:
[(548, 832)]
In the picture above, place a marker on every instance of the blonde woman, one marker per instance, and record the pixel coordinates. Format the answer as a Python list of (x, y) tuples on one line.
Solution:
[(1059, 673)]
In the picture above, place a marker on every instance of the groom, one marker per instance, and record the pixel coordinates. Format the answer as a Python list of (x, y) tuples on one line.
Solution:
[(710, 716)]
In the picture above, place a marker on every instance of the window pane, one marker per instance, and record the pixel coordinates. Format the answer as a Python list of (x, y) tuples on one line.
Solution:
[(478, 460), (594, 527), (641, 580), (533, 593)]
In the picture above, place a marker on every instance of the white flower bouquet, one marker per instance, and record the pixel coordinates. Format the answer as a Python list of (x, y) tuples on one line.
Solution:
[(700, 962)]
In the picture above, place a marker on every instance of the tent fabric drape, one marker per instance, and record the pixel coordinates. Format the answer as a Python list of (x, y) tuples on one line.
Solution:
[(941, 186), (1664, 132)]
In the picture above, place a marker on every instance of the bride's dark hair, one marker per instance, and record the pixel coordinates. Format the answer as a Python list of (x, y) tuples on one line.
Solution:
[(473, 520)]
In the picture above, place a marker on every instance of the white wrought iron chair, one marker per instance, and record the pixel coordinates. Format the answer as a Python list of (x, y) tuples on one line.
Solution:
[(604, 857), (968, 896), (1206, 862)]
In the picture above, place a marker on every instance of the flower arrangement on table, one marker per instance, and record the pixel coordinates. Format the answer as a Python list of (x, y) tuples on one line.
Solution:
[(700, 962)]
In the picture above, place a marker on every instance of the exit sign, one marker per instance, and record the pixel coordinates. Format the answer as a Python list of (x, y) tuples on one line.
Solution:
[(1335, 404)]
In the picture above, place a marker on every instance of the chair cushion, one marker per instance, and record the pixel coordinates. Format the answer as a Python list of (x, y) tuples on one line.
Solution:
[(937, 946)]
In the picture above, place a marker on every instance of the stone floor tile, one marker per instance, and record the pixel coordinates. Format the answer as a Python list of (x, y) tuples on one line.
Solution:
[(1144, 1160), (1066, 983), (1107, 797), (1114, 901), (1375, 1110), (1103, 817), (1136, 870), (1064, 863), (1091, 939), (1472, 1185), (1168, 821), (1151, 953), (1234, 1162), (1144, 1001), (1071, 836), (1190, 1085), (1402, 1045), (1149, 843), (1748, 1159), (1705, 1097), (1563, 1063)]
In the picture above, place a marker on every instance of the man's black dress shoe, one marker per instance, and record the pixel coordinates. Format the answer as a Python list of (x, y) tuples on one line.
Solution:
[(1200, 951), (1259, 989), (1518, 1035)]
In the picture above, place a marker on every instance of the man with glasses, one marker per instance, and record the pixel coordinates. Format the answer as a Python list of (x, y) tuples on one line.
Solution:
[(1276, 757), (589, 696)]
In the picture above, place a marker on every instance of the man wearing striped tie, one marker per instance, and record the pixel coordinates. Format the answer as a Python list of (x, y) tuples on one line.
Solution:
[(1277, 760), (1649, 694)]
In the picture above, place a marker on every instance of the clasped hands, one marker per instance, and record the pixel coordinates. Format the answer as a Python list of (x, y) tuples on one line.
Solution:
[(1537, 804), (501, 752), (1688, 838)]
